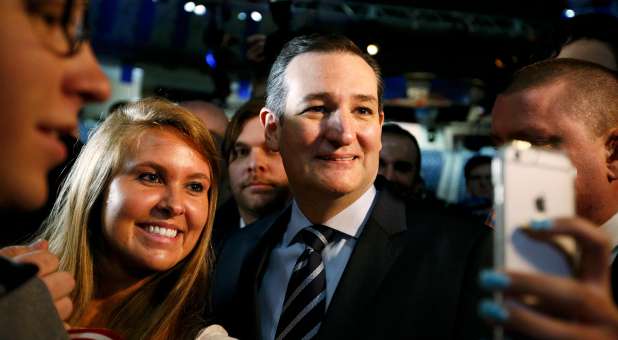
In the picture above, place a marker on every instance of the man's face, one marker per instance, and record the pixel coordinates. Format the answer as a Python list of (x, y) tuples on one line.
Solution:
[(329, 136), (41, 95), (479, 183), (398, 160), (257, 178), (541, 117)]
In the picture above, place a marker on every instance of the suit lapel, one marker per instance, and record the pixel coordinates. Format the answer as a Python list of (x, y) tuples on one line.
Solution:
[(379, 244), (258, 261)]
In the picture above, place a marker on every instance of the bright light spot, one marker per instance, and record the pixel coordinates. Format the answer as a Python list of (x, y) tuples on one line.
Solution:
[(569, 13), (242, 16), (256, 16), (210, 59), (372, 49), (521, 144), (200, 10), (499, 63), (189, 6)]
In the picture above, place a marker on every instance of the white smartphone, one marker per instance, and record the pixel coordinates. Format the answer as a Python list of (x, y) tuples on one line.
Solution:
[(531, 183)]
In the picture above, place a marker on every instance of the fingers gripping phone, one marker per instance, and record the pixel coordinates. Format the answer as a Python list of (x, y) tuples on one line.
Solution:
[(531, 183)]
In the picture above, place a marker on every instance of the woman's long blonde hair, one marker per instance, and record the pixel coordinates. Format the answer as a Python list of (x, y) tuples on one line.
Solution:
[(170, 303)]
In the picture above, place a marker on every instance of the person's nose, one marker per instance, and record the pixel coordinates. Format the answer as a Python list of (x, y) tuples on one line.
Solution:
[(257, 160), (84, 78), (340, 127), (389, 172), (171, 202)]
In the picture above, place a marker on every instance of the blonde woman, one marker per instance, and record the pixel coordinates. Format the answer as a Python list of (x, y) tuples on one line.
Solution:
[(133, 222)]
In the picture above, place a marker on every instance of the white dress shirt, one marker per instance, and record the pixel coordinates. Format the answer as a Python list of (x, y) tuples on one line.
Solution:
[(611, 227), (349, 223)]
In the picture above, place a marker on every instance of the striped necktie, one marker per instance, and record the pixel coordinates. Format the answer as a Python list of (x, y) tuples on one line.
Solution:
[(305, 298)]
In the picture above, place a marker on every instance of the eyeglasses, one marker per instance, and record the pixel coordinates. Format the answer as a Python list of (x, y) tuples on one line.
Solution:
[(60, 24)]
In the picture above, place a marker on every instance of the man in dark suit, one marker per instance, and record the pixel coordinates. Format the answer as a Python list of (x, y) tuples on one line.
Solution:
[(257, 178), (346, 259)]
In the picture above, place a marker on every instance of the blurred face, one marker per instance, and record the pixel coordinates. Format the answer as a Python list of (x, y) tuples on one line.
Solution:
[(398, 160), (157, 205), (258, 180), (329, 136), (541, 117), (479, 183), (42, 93)]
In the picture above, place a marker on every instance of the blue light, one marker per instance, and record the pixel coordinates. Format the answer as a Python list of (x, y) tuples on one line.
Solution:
[(242, 16), (210, 59), (569, 13)]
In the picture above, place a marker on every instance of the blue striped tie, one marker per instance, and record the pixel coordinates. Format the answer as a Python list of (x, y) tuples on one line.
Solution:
[(305, 298)]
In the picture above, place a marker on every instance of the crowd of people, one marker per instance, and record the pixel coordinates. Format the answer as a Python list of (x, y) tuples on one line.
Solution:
[(324, 233)]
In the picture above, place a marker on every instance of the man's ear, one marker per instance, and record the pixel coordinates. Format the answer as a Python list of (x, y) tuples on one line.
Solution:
[(611, 146), (381, 118), (270, 122)]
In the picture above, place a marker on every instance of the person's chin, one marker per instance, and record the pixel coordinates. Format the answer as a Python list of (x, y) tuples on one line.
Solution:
[(30, 196)]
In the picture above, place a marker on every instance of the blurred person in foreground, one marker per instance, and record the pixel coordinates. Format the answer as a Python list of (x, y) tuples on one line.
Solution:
[(49, 72), (347, 259), (133, 223), (570, 105), (257, 177)]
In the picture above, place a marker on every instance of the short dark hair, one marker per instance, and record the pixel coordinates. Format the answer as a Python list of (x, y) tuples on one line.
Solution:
[(395, 129), (592, 89), (247, 111), (276, 91), (474, 162)]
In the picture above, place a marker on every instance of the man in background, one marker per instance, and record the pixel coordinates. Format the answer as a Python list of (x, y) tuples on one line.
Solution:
[(49, 71), (480, 190), (257, 178), (400, 160)]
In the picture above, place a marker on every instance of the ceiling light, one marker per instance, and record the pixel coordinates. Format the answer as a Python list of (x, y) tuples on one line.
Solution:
[(189, 6), (256, 16), (200, 10), (372, 49)]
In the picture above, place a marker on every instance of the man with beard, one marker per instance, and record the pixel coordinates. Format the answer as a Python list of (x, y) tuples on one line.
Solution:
[(257, 179)]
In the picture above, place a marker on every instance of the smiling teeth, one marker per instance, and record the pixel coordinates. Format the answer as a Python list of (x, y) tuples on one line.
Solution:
[(171, 233)]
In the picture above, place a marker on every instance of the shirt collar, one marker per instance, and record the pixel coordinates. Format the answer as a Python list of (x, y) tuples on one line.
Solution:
[(349, 221), (611, 227)]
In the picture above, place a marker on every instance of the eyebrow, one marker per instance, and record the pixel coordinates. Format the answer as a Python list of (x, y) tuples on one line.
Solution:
[(159, 168), (326, 96)]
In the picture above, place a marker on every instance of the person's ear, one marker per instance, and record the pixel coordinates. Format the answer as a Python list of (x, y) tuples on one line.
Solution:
[(271, 124), (611, 146)]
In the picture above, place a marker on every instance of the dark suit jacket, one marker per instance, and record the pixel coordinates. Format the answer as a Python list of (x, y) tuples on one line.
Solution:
[(227, 222), (412, 274)]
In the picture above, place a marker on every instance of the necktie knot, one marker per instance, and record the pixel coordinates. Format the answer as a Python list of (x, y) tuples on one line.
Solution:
[(315, 237)]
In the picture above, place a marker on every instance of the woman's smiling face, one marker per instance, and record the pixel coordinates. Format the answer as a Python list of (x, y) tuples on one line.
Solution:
[(156, 206)]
